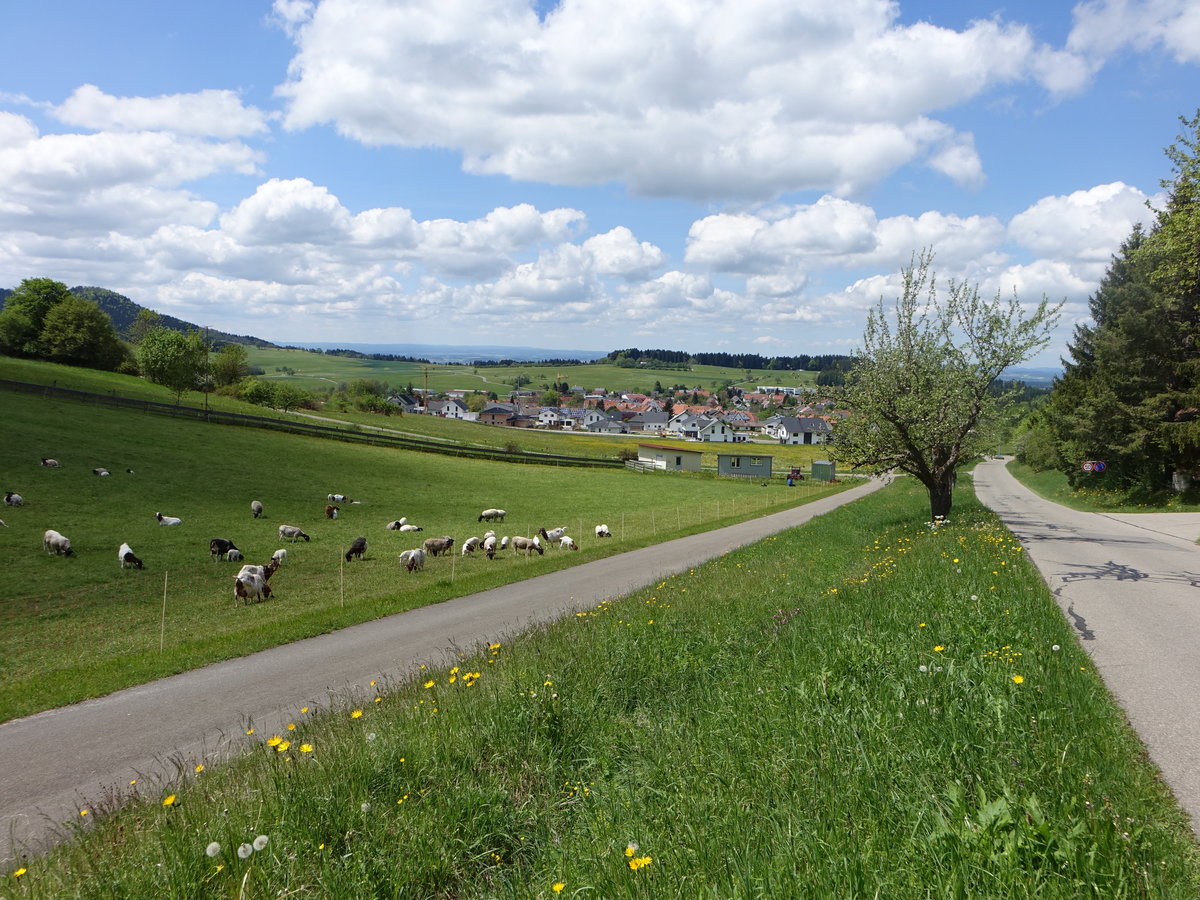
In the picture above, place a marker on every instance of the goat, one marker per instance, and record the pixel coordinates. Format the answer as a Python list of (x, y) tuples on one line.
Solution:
[(167, 520), (567, 543), (492, 515), (528, 545), (126, 558), (357, 548), (331, 512), (50, 463), (469, 545), (413, 560), (553, 536), (265, 571), (55, 543), (100, 471), (256, 509), (489, 546), (234, 555), (408, 527), (291, 531), (339, 498), (279, 556), (11, 499), (397, 524), (602, 531), (250, 586), (219, 547), (438, 545)]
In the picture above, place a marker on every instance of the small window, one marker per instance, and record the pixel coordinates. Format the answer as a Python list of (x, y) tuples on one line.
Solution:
[(735, 462), (756, 460), (679, 460)]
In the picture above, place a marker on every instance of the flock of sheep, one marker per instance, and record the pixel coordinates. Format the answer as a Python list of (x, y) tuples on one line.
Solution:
[(252, 582)]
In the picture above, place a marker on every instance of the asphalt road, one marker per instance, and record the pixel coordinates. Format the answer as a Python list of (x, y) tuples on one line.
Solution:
[(55, 763), (1130, 587)]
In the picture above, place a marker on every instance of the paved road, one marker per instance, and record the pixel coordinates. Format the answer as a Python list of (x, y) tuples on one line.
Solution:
[(56, 762), (1130, 586)]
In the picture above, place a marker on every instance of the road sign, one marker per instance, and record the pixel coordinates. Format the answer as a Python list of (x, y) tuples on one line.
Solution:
[(1099, 466), (1088, 466)]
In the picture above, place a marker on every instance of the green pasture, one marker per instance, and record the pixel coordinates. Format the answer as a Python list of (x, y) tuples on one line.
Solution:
[(79, 627), (856, 708)]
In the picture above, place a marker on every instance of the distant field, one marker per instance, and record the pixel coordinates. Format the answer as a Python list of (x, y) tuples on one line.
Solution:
[(314, 370), (80, 626)]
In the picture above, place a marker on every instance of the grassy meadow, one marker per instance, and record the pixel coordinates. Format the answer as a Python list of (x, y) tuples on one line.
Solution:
[(78, 627), (861, 707), (1053, 485)]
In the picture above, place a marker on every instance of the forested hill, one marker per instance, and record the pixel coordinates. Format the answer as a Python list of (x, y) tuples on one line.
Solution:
[(124, 311)]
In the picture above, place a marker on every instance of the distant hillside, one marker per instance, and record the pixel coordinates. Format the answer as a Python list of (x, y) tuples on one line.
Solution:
[(124, 311)]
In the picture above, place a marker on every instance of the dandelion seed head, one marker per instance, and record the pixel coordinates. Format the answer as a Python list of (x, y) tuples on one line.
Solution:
[(260, 841), (212, 849), (922, 668), (244, 851)]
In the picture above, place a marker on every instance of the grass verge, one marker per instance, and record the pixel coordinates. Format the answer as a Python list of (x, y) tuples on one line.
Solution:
[(1053, 485), (856, 708)]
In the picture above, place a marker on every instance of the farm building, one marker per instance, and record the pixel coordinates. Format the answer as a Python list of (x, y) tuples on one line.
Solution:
[(745, 464), (670, 458)]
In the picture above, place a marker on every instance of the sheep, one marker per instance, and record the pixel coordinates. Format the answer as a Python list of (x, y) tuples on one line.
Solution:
[(167, 520), (12, 499), (553, 536), (265, 571), (331, 512), (528, 545), (357, 549), (504, 542), (50, 463), (489, 546), (488, 534), (234, 555), (126, 557), (100, 471), (256, 509), (410, 527), (469, 545), (439, 545), (55, 543), (129, 471), (219, 547), (279, 556), (567, 543), (602, 531), (413, 560), (339, 498), (397, 524), (291, 531), (249, 587), (492, 515)]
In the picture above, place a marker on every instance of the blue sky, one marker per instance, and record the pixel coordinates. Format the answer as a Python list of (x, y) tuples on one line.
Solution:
[(591, 174)]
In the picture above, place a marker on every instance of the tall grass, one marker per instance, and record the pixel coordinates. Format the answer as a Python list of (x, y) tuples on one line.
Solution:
[(861, 707)]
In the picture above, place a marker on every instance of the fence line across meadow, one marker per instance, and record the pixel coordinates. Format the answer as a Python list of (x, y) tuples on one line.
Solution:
[(311, 429)]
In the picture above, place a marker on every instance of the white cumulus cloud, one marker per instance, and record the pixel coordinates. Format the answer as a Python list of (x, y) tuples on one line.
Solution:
[(211, 113)]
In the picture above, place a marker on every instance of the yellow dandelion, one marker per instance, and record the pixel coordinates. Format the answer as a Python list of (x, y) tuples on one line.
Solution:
[(938, 649), (304, 709), (378, 699), (83, 812), (283, 745), (199, 768), (274, 740), (453, 678), (249, 731), (306, 748), (133, 782), (291, 726), (1018, 679), (21, 871), (429, 683), (558, 886), (922, 625), (454, 671), (170, 800), (357, 714), (372, 682)]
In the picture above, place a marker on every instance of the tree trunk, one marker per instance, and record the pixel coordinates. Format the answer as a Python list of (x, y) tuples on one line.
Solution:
[(941, 496)]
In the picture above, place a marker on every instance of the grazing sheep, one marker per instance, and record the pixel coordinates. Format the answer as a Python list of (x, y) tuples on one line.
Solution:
[(234, 555), (126, 558), (397, 524), (129, 471), (504, 542), (528, 545), (492, 515), (567, 543), (602, 531), (438, 545), (357, 549), (291, 531), (249, 587), (50, 463), (413, 560), (279, 556), (339, 498), (220, 547), (11, 499), (469, 545), (265, 571), (489, 546), (55, 543), (2, 522), (167, 520), (331, 512), (100, 471), (256, 509), (409, 527), (553, 536)]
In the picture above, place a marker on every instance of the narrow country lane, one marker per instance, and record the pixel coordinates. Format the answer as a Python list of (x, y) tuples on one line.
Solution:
[(1130, 587), (59, 760)]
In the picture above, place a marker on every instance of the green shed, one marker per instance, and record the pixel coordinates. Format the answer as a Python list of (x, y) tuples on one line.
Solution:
[(823, 470)]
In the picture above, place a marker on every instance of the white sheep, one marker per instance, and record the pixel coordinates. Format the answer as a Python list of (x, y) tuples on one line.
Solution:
[(125, 557), (13, 499), (279, 555), (339, 498), (50, 463), (292, 532), (504, 542), (256, 508), (233, 554), (602, 531), (397, 524), (469, 545), (100, 471), (55, 543), (410, 527), (413, 560), (489, 546), (567, 543), (492, 515), (167, 520)]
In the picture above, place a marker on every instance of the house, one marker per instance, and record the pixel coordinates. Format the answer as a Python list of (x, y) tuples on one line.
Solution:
[(447, 409), (650, 420), (805, 430), (744, 464), (714, 430), (496, 414), (669, 458), (550, 417), (608, 425), (406, 402)]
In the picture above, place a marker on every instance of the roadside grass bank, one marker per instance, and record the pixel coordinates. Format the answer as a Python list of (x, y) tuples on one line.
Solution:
[(858, 707), (78, 627), (1053, 485)]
